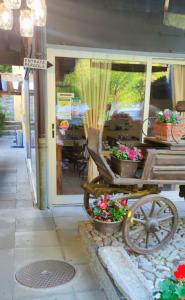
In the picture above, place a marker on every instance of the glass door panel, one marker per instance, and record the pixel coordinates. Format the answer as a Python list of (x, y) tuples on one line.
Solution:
[(108, 95)]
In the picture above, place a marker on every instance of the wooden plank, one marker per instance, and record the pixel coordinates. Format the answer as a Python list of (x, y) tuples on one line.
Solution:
[(171, 145), (169, 175), (149, 163), (175, 160), (169, 168)]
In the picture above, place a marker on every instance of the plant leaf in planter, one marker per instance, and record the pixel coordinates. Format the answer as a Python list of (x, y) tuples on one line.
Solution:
[(180, 290)]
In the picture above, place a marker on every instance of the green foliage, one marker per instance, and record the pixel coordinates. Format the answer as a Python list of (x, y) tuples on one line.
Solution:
[(126, 87), (117, 214), (170, 289), (5, 69)]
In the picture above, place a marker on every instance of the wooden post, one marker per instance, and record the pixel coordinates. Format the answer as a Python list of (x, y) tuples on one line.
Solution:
[(40, 86)]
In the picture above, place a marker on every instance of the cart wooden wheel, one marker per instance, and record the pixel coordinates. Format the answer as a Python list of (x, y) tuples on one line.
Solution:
[(88, 196), (152, 224)]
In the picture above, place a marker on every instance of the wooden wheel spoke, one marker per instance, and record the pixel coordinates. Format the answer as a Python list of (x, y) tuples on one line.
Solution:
[(144, 213), (152, 209), (139, 220), (147, 239), (164, 228), (157, 238), (136, 231), (161, 209), (165, 218)]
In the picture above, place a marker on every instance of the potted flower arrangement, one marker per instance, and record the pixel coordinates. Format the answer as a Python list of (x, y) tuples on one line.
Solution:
[(108, 213), (172, 288), (125, 160), (169, 126)]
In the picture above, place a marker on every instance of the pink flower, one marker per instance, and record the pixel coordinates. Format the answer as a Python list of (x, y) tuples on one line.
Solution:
[(103, 205), (167, 115), (132, 154), (123, 202), (123, 148), (107, 196)]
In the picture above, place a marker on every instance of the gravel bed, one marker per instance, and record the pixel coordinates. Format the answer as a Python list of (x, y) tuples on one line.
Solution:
[(154, 267)]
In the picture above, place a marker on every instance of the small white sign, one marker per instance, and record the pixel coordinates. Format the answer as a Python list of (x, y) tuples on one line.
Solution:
[(34, 63)]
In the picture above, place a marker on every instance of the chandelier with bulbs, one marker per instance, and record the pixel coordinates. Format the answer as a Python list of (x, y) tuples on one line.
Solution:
[(33, 15)]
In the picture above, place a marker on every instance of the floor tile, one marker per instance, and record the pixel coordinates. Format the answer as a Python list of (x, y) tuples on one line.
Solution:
[(6, 273), (36, 239), (5, 204), (69, 211), (7, 196), (72, 245), (7, 223), (27, 255), (24, 203), (54, 297), (85, 280), (7, 239), (8, 190), (93, 295), (35, 224), (70, 223)]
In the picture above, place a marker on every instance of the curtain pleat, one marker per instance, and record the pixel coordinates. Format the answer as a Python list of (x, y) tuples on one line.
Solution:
[(94, 83), (178, 84)]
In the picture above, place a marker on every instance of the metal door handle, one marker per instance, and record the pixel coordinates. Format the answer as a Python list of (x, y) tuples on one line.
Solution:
[(53, 131)]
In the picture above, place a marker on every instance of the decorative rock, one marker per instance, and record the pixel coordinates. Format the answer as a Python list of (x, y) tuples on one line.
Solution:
[(147, 267), (149, 276), (163, 268)]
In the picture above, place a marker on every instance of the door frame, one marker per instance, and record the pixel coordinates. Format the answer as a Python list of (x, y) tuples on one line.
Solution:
[(54, 51)]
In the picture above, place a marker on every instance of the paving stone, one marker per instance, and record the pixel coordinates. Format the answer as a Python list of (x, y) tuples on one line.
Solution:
[(35, 224)]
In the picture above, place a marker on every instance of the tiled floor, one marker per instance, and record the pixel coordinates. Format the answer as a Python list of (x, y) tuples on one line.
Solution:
[(27, 234)]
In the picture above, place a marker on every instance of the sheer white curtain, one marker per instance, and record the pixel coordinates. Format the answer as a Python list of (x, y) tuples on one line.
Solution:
[(94, 82), (178, 84)]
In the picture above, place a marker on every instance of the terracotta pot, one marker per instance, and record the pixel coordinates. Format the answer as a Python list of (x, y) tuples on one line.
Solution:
[(107, 227), (169, 132), (124, 168)]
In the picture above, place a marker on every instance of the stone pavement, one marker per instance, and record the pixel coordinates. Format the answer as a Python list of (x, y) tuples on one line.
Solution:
[(28, 234)]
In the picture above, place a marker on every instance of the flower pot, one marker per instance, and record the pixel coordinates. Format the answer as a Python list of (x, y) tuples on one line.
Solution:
[(169, 132), (124, 168), (107, 227)]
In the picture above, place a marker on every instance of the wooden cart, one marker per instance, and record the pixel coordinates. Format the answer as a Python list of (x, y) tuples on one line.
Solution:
[(154, 217)]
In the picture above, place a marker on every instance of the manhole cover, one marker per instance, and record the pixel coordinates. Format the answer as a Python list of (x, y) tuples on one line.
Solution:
[(45, 274)]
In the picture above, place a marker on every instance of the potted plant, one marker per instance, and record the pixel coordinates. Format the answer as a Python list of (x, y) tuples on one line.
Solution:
[(169, 126), (108, 213), (125, 160), (172, 288)]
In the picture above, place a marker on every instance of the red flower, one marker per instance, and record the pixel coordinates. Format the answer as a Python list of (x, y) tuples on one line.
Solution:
[(103, 204), (123, 202), (180, 273)]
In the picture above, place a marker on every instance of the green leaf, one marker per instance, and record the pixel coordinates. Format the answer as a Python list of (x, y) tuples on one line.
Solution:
[(180, 290)]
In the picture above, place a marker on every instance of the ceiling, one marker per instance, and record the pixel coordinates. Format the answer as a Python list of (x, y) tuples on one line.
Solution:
[(116, 24)]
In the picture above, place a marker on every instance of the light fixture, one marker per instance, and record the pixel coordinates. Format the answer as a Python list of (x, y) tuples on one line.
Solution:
[(26, 23), (31, 3), (35, 14), (12, 4), (6, 17), (39, 13)]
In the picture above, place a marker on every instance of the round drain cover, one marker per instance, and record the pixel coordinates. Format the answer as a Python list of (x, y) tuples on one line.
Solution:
[(45, 274)]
